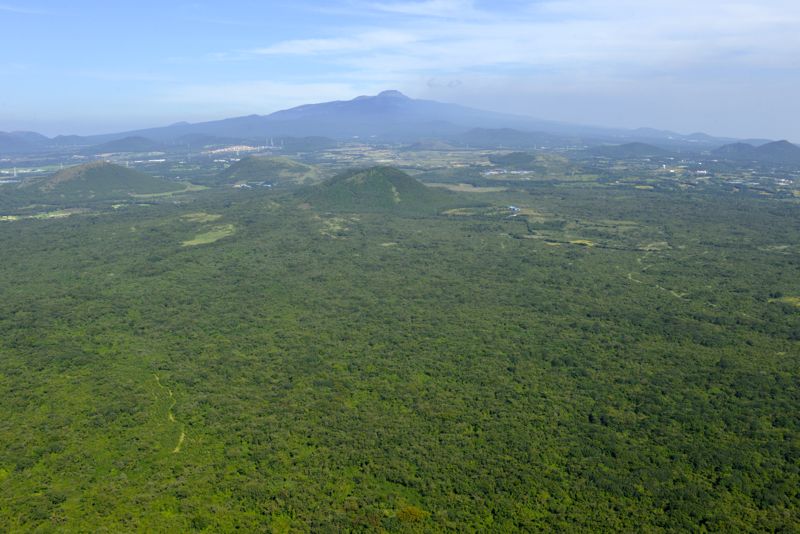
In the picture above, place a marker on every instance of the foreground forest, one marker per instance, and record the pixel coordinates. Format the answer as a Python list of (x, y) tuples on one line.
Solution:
[(592, 359)]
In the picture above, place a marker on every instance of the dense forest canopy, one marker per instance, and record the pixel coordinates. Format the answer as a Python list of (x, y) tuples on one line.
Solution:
[(558, 357)]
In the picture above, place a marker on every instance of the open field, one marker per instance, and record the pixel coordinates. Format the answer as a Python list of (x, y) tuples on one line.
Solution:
[(211, 236)]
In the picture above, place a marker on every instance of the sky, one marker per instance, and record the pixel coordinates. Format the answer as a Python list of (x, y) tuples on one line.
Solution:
[(727, 67)]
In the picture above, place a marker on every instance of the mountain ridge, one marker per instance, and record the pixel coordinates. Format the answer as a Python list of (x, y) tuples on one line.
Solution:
[(389, 116)]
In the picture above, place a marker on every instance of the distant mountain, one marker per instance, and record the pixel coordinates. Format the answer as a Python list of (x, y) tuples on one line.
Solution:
[(127, 144), (103, 180), (273, 170), (777, 152), (394, 117), (389, 116), (629, 150), (376, 189), (21, 142)]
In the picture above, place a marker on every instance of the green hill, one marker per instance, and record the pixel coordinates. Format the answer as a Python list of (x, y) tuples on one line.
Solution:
[(273, 170), (736, 151), (101, 179), (376, 189), (778, 152)]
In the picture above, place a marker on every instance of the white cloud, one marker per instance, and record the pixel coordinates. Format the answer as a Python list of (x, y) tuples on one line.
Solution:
[(567, 34), (705, 64)]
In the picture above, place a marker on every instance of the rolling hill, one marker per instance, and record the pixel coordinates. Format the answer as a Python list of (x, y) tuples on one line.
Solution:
[(736, 151), (273, 170), (777, 152), (103, 180), (780, 152), (375, 189)]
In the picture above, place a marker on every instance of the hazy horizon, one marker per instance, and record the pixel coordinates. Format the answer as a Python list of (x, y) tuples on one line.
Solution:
[(716, 67)]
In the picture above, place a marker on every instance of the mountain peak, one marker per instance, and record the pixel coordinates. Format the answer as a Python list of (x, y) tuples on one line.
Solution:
[(392, 93)]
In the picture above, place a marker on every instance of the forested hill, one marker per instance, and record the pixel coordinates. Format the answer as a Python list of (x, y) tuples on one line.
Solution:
[(376, 189), (101, 179)]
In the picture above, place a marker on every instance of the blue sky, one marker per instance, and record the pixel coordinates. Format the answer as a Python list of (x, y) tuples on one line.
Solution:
[(725, 67)]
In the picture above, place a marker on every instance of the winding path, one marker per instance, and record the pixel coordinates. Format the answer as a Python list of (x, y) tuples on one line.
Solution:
[(171, 416)]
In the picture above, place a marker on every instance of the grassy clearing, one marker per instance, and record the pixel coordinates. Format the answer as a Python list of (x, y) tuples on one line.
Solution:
[(466, 188), (213, 235), (190, 188), (656, 246), (464, 212), (794, 301), (201, 217), (334, 227), (58, 214)]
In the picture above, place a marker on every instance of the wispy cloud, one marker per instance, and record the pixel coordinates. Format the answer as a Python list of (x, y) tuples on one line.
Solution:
[(121, 75), (428, 8), (565, 34), (371, 40), (22, 10)]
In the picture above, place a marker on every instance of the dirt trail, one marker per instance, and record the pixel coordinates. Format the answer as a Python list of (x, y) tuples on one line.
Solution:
[(640, 260), (171, 416), (180, 442)]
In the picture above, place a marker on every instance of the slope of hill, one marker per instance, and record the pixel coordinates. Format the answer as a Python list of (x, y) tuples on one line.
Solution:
[(127, 144), (373, 190), (101, 180), (273, 170)]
